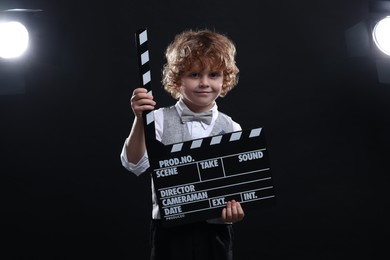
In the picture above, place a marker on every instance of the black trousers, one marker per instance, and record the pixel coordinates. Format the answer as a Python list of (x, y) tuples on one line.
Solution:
[(196, 241)]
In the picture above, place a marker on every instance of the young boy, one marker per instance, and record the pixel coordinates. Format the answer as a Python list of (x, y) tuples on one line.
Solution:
[(200, 68)]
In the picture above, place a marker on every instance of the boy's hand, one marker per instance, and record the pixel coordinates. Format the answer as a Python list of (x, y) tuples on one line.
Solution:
[(233, 212), (141, 101)]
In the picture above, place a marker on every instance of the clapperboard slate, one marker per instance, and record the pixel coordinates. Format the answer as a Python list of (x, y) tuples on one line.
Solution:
[(195, 179)]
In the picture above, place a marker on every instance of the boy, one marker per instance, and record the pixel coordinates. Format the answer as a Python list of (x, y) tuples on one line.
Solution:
[(200, 68)]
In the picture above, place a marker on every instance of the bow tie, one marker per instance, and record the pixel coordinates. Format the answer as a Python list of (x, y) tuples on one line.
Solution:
[(204, 117)]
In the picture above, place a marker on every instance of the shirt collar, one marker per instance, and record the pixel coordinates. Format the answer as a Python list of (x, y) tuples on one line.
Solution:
[(180, 105)]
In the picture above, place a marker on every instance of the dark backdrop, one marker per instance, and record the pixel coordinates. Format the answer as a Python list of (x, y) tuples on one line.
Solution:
[(64, 193)]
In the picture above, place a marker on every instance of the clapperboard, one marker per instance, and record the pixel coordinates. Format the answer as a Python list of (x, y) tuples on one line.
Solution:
[(195, 179)]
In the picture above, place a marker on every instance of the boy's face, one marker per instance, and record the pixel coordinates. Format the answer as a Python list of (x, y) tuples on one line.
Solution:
[(200, 88)]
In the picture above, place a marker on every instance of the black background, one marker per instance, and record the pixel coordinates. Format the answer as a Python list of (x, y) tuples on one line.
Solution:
[(64, 193)]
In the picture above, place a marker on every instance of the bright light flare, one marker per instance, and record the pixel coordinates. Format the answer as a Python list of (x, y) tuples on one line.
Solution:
[(381, 35), (14, 39)]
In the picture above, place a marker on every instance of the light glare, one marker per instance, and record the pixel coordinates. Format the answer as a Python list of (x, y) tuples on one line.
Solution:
[(13, 39), (381, 35)]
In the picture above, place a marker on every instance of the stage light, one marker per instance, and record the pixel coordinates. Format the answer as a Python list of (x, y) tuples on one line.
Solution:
[(371, 38), (13, 39), (381, 35), (14, 34)]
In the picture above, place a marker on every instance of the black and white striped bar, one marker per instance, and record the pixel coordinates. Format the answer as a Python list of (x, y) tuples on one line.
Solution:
[(143, 58), (145, 78), (144, 66), (236, 136), (195, 179)]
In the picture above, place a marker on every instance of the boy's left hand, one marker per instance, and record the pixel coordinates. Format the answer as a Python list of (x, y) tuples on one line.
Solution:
[(233, 212)]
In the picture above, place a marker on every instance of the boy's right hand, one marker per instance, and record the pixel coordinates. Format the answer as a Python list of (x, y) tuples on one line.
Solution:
[(141, 101)]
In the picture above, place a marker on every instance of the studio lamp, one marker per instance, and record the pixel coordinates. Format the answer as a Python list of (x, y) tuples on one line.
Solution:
[(13, 39), (380, 25), (14, 34), (14, 42), (371, 38)]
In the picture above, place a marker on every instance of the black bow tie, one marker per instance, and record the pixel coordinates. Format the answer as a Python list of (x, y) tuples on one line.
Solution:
[(204, 117)]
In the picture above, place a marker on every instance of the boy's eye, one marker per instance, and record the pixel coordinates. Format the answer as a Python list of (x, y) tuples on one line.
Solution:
[(199, 74)]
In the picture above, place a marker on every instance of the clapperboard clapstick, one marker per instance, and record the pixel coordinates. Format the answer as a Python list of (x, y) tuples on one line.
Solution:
[(195, 179)]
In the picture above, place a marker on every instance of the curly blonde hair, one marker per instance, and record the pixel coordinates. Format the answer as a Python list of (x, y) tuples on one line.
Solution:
[(204, 48)]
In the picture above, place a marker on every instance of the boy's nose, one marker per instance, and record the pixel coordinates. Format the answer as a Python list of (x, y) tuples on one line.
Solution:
[(204, 82)]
